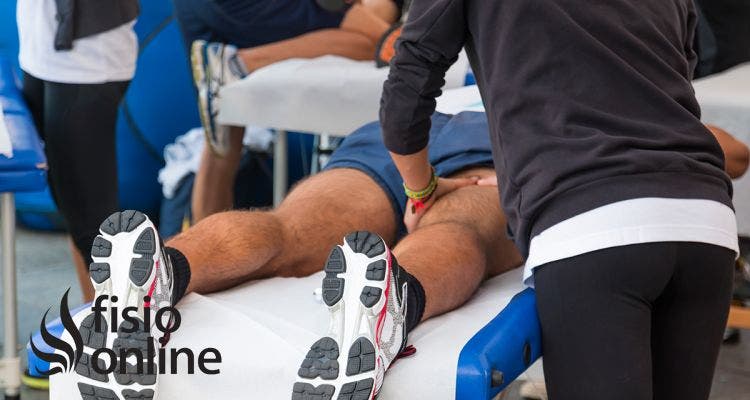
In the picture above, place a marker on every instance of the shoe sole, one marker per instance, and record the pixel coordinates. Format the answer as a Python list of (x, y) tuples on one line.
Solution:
[(355, 289), (126, 261)]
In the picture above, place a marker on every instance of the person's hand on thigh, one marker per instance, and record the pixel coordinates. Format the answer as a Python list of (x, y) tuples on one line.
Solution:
[(415, 210)]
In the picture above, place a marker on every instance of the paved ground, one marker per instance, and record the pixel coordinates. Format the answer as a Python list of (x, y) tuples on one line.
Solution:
[(45, 272)]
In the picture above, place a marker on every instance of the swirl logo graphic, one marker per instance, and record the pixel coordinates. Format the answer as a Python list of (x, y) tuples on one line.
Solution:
[(71, 355)]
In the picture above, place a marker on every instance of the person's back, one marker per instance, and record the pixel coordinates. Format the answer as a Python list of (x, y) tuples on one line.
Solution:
[(589, 90), (612, 187)]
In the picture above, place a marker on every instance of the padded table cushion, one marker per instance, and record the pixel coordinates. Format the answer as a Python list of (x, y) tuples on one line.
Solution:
[(264, 328), (331, 95), (25, 170)]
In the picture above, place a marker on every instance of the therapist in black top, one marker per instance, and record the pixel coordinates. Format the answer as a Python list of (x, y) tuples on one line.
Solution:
[(613, 189)]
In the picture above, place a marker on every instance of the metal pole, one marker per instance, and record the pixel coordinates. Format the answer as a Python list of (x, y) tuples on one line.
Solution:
[(280, 167), (11, 373)]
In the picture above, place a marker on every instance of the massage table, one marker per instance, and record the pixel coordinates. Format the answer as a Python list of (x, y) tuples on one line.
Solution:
[(724, 101), (22, 169), (329, 96), (264, 328)]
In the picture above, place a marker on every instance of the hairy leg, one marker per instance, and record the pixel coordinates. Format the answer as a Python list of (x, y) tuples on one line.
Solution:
[(213, 190), (458, 243), (229, 248)]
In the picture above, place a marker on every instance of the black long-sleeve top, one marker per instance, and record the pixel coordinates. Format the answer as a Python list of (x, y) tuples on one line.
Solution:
[(588, 102)]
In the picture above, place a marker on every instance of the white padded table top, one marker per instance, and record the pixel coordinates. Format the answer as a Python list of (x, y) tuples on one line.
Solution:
[(725, 102), (328, 95), (264, 328), (6, 147)]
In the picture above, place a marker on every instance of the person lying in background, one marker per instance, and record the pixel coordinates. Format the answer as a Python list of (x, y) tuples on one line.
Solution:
[(435, 265), (232, 38)]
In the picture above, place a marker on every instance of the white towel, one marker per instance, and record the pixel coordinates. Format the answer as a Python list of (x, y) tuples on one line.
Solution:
[(6, 147), (183, 157)]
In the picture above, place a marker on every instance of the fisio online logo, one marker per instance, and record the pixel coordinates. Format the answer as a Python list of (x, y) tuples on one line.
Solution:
[(105, 360)]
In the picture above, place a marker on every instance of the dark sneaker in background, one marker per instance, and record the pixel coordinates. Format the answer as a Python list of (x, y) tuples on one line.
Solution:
[(214, 65)]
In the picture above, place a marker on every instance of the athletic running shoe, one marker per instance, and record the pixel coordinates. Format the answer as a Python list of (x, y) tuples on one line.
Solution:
[(366, 299), (214, 65), (129, 270)]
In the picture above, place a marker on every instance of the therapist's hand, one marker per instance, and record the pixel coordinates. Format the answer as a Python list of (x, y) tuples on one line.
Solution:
[(488, 181), (412, 215)]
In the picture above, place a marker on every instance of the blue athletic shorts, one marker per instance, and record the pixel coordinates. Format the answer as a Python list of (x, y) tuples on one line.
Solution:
[(457, 142)]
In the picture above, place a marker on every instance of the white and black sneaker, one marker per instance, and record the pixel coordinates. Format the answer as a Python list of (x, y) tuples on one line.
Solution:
[(214, 65), (130, 269), (366, 298)]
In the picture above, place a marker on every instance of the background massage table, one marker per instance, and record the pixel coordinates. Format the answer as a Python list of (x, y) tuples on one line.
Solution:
[(328, 96), (22, 169), (264, 328), (724, 100)]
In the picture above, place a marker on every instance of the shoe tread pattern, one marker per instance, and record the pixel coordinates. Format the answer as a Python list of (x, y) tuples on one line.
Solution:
[(129, 394), (370, 296), (361, 357), (129, 338), (140, 268), (333, 286), (101, 247), (376, 270), (89, 392), (359, 390), (92, 337), (366, 243), (123, 221), (85, 368), (99, 272), (306, 391), (321, 361)]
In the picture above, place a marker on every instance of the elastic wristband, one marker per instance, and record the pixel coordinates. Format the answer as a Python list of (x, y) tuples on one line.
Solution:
[(424, 193)]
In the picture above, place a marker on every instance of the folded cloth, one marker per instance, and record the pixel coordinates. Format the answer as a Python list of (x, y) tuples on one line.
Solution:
[(184, 155)]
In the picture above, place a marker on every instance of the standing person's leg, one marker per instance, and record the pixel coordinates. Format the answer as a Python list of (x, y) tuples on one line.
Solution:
[(595, 312), (33, 93), (688, 322), (228, 248), (213, 190), (79, 134), (607, 320)]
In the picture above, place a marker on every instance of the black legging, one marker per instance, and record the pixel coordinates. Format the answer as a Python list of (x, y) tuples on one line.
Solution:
[(77, 123), (640, 322)]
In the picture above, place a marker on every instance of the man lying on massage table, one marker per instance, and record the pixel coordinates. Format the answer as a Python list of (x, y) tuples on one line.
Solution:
[(381, 281), (232, 38)]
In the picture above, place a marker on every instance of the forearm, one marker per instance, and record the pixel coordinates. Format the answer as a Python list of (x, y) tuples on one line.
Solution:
[(314, 44), (736, 153), (415, 169), (429, 44)]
